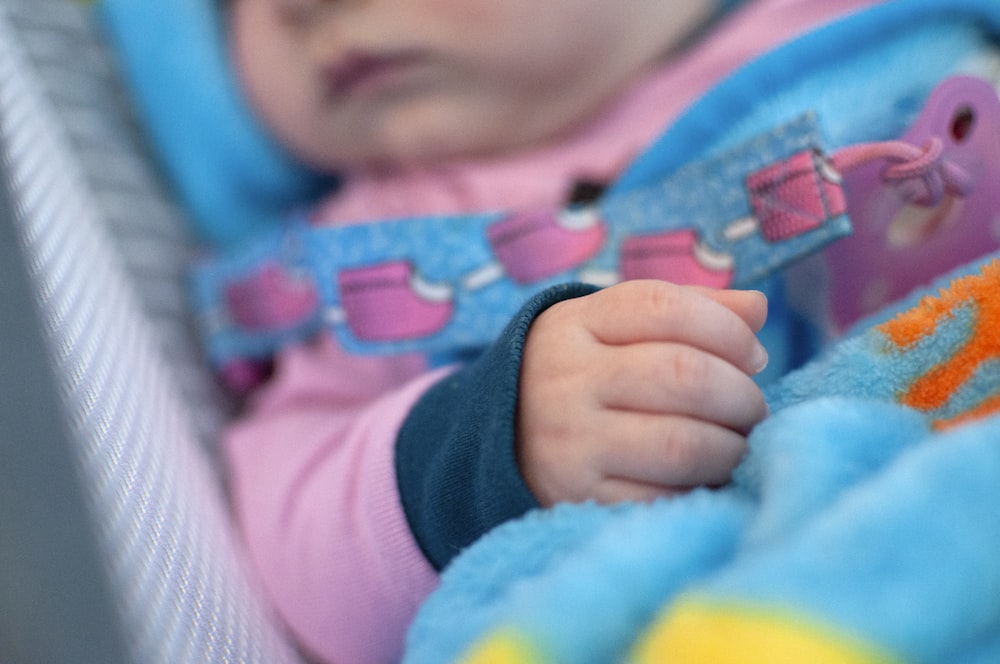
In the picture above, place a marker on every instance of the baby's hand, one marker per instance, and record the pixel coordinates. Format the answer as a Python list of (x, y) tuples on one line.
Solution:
[(639, 390)]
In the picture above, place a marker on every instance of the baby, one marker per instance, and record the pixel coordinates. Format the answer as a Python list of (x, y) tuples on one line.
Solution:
[(356, 479)]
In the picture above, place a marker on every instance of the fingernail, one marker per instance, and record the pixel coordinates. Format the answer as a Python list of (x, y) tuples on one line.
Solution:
[(758, 361)]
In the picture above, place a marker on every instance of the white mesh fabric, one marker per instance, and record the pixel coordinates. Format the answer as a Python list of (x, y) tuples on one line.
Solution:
[(107, 261), (78, 79)]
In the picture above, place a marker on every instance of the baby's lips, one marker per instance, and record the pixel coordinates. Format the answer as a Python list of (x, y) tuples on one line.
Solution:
[(536, 245), (270, 299)]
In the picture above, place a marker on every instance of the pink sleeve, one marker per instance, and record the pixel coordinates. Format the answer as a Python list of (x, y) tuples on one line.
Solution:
[(313, 484)]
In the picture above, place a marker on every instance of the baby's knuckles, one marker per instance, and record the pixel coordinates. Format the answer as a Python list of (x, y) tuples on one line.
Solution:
[(643, 310), (557, 460), (687, 369), (681, 451)]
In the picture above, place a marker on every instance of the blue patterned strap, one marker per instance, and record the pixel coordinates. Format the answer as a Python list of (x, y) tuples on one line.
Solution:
[(445, 283)]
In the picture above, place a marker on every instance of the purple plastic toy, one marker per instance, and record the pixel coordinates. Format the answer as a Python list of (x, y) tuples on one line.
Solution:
[(915, 221)]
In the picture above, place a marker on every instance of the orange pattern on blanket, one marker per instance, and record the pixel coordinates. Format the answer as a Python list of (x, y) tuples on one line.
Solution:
[(980, 295)]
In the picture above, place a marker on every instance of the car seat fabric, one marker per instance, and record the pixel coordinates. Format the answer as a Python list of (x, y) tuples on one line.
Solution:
[(107, 255), (56, 605)]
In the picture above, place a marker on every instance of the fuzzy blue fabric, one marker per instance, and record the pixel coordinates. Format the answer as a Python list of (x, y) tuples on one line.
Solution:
[(852, 512), (859, 522)]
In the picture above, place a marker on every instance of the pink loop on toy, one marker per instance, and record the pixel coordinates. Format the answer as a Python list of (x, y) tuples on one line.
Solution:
[(925, 161), (926, 190), (921, 174), (958, 181), (850, 157)]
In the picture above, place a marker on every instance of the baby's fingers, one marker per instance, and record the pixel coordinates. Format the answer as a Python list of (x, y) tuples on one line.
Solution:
[(679, 380), (750, 305), (669, 453), (616, 490), (655, 311)]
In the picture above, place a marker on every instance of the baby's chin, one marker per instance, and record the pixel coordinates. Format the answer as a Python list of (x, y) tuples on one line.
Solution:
[(428, 153), (424, 142)]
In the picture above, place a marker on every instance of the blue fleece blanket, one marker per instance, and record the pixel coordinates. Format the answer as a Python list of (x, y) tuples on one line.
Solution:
[(864, 526)]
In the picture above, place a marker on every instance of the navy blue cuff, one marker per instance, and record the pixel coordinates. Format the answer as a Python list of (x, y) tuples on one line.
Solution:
[(455, 459)]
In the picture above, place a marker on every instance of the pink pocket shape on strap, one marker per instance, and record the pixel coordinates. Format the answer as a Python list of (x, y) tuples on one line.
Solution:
[(677, 256), (795, 196), (271, 299), (391, 302), (536, 245)]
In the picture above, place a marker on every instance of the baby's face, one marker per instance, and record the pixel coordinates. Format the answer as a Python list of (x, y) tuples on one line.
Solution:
[(346, 83)]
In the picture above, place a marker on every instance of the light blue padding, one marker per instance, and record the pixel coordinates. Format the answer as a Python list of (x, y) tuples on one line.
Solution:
[(233, 179)]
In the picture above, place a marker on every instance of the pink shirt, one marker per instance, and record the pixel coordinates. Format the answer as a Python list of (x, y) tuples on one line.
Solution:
[(311, 461)]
